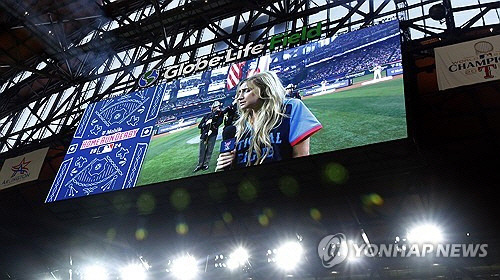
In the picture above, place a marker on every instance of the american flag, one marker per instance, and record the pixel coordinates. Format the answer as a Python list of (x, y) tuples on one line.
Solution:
[(235, 74), (260, 65)]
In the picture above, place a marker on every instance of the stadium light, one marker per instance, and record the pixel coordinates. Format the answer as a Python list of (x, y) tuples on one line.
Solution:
[(237, 258), (425, 233), (289, 255), (133, 272), (352, 258), (184, 268), (95, 272)]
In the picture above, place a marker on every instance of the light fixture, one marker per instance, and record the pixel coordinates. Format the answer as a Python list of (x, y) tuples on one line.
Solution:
[(95, 272), (237, 258), (437, 12), (289, 255), (352, 258), (425, 233), (184, 268), (133, 272)]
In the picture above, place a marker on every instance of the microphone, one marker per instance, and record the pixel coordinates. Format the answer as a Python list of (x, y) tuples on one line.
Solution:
[(228, 139)]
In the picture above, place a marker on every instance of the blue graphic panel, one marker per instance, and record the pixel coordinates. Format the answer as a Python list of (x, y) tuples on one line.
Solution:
[(109, 145), (398, 70)]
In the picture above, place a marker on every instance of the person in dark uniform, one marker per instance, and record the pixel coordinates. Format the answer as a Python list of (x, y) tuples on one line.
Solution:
[(231, 113), (209, 127), (291, 92)]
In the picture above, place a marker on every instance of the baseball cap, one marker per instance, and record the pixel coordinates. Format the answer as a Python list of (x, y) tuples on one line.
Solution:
[(215, 104)]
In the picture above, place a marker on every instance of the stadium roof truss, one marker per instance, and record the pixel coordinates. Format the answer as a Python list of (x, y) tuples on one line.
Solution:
[(57, 58)]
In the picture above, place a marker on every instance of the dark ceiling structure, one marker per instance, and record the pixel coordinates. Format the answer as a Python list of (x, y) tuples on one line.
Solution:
[(57, 57)]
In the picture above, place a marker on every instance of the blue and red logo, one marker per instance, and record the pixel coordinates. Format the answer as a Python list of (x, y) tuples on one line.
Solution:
[(227, 145), (20, 168)]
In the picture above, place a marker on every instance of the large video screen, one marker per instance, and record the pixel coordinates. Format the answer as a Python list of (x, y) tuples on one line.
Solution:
[(297, 96), (340, 92), (108, 146)]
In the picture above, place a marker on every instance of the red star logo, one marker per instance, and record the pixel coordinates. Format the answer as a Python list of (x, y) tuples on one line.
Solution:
[(20, 168)]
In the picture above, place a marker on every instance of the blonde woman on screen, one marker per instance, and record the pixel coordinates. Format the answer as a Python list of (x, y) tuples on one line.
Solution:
[(271, 127)]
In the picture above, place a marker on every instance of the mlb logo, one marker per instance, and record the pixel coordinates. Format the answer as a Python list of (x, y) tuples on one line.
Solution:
[(105, 148), (227, 145)]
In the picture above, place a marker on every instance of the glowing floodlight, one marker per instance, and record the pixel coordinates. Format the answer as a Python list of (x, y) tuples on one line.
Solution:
[(289, 255), (184, 268), (425, 233), (95, 272), (133, 272), (237, 258)]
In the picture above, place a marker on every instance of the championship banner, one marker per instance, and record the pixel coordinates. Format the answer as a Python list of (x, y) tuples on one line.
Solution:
[(468, 63), (22, 169), (109, 145)]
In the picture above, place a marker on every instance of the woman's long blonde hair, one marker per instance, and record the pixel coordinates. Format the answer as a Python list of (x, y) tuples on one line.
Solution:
[(272, 94)]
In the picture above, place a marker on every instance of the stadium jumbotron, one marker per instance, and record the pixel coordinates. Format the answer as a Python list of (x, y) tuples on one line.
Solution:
[(224, 139)]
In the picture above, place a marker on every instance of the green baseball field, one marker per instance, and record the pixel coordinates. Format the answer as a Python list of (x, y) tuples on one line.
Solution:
[(351, 117)]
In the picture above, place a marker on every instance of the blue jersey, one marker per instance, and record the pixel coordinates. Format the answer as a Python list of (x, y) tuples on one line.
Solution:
[(298, 124)]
